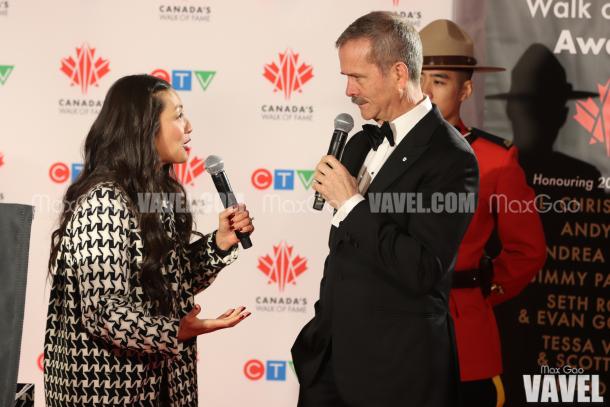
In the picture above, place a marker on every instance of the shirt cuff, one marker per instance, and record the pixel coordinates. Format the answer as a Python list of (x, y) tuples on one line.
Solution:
[(346, 208), (228, 256)]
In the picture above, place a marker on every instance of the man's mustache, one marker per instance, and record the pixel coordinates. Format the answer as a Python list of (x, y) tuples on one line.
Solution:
[(358, 101)]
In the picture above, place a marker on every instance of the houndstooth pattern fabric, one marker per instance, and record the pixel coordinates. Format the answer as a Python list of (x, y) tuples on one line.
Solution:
[(24, 395), (103, 346)]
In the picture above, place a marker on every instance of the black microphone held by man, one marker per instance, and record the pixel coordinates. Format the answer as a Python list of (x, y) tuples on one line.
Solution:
[(344, 123)]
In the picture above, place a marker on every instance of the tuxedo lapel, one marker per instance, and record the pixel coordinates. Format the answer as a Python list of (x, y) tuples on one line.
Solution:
[(412, 146), (354, 156)]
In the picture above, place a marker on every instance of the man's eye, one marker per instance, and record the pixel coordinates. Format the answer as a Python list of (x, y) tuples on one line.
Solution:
[(439, 83), (181, 115)]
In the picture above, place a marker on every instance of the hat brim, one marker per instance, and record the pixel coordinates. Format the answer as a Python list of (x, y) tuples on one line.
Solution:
[(575, 94), (476, 68)]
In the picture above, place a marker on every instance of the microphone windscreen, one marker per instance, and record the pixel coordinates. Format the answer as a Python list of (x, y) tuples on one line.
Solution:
[(344, 122), (214, 164)]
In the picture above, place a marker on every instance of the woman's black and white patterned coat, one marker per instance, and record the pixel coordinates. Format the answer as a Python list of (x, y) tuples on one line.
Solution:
[(103, 345)]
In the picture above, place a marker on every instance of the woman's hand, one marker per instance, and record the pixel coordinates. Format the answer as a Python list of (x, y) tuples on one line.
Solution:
[(235, 218), (191, 326)]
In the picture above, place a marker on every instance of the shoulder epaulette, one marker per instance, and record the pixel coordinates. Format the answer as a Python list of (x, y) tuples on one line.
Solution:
[(490, 137)]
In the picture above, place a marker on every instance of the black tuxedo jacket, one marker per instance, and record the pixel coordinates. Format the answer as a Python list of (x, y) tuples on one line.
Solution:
[(383, 306)]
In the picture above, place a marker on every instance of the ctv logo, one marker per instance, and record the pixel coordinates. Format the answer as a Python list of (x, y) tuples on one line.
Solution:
[(85, 69), (282, 179), (553, 387), (288, 75), (183, 79), (60, 172), (5, 72), (272, 370)]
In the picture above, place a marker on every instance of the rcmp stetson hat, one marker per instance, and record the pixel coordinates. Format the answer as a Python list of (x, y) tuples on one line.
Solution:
[(446, 46)]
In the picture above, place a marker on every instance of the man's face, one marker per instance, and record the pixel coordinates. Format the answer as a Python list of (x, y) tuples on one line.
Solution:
[(447, 90), (375, 93)]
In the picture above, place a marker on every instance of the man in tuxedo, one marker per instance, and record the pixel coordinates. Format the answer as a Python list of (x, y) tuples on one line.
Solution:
[(382, 334)]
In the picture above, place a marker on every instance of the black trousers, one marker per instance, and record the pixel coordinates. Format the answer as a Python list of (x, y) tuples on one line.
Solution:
[(323, 391), (479, 393)]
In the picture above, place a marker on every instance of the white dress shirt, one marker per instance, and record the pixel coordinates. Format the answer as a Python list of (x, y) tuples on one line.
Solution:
[(375, 159)]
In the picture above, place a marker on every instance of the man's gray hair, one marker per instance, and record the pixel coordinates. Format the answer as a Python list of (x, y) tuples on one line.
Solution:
[(393, 39)]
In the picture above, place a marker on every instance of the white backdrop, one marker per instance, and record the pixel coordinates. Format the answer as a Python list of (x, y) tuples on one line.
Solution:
[(44, 118)]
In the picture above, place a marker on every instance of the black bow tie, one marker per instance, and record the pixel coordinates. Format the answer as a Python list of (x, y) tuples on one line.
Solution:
[(376, 134)]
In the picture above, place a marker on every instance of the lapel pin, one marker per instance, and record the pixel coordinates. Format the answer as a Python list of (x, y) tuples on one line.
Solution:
[(404, 159)]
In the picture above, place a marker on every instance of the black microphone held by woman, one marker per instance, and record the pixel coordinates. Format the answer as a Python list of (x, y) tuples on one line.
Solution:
[(216, 167)]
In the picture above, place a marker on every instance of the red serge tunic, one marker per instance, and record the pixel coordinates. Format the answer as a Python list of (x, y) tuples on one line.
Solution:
[(523, 253)]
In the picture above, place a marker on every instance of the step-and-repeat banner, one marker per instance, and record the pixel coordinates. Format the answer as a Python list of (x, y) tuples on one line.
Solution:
[(555, 102), (261, 85)]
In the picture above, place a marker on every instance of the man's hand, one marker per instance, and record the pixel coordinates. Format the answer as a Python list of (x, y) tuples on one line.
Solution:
[(334, 182), (191, 326)]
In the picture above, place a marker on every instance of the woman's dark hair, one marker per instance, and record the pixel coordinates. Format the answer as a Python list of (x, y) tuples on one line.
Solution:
[(120, 148)]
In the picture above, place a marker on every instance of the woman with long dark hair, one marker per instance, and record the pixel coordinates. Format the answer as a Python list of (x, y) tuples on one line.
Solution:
[(122, 321)]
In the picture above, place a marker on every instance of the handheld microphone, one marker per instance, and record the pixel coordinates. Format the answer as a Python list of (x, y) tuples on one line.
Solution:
[(215, 166), (344, 123)]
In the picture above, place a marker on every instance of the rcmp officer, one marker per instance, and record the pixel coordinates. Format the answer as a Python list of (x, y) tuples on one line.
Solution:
[(505, 210)]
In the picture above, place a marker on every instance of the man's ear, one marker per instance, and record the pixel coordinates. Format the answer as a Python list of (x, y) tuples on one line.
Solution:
[(466, 90), (401, 74)]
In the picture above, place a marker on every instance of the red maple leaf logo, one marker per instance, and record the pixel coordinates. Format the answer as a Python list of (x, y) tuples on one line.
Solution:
[(396, 2), (189, 170), (85, 70), (282, 269), (1, 159), (288, 76), (596, 119)]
